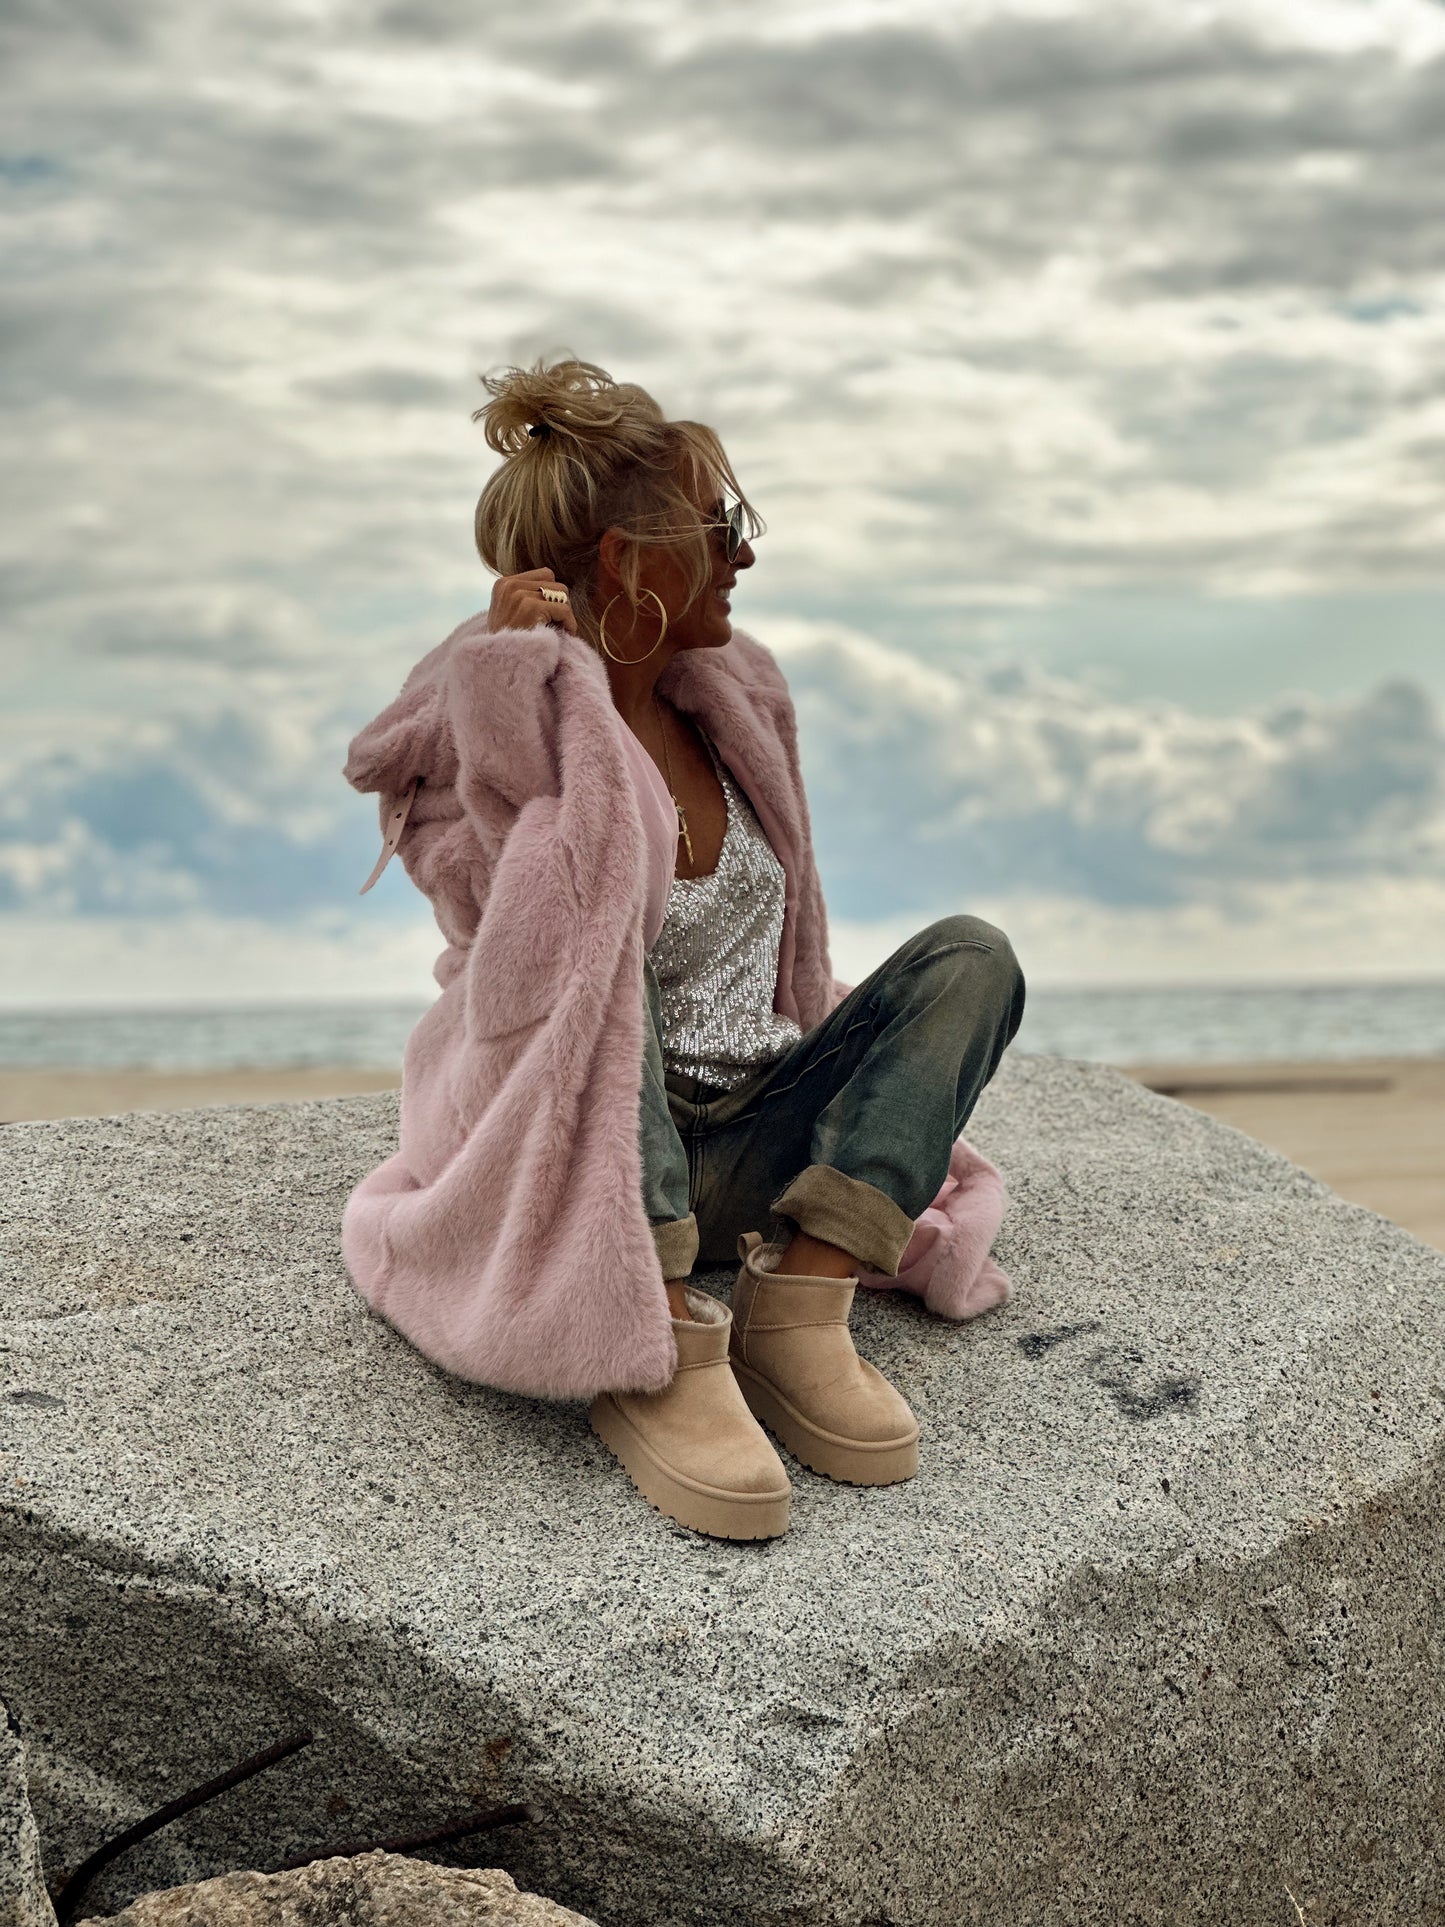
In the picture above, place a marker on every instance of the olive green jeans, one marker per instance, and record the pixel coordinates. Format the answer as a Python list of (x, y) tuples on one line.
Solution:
[(846, 1136)]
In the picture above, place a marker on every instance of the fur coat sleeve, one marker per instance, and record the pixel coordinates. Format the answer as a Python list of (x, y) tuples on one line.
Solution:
[(506, 1237)]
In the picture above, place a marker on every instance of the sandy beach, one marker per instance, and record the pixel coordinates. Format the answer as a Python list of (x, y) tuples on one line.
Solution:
[(28, 1094), (1373, 1129)]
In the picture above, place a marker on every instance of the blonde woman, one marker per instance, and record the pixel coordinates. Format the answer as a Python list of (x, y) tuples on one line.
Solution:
[(640, 1036)]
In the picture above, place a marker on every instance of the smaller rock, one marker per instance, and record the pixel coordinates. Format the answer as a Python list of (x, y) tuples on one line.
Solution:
[(23, 1899), (372, 1890)]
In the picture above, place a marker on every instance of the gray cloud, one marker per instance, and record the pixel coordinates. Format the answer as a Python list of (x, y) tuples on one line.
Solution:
[(1016, 308), (381, 387), (215, 812), (1001, 779), (552, 178), (923, 785)]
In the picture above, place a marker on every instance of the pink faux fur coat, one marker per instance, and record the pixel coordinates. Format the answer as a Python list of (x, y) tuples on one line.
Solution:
[(507, 1238)]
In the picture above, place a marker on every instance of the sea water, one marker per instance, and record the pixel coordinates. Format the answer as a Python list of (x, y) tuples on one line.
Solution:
[(1168, 1023)]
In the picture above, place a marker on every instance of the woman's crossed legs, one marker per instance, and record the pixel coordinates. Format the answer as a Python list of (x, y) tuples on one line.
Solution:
[(845, 1139)]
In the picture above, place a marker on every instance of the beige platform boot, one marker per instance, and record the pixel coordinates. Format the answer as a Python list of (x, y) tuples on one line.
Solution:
[(694, 1450), (794, 1359)]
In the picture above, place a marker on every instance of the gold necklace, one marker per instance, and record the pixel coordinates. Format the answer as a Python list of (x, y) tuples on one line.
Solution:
[(667, 755)]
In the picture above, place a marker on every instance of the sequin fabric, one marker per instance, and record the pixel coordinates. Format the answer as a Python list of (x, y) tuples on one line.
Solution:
[(716, 956)]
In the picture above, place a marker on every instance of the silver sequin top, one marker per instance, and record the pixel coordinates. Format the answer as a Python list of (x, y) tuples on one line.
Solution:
[(716, 956)]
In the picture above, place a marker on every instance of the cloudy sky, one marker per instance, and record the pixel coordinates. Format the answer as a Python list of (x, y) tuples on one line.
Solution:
[(1087, 362)]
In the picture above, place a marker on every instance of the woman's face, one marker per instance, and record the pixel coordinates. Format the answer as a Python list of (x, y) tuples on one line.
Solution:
[(707, 624)]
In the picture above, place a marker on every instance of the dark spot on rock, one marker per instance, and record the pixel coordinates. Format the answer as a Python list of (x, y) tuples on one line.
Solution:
[(1135, 1396), (1035, 1344), (805, 1717), (41, 1400)]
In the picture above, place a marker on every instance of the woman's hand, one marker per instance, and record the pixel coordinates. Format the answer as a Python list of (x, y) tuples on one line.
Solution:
[(518, 603)]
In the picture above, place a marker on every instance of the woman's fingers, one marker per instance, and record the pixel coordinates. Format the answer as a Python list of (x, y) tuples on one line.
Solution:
[(517, 602)]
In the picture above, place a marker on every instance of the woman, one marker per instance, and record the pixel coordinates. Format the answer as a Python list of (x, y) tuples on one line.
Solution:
[(617, 1048)]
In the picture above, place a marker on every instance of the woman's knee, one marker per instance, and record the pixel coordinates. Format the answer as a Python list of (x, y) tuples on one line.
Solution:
[(974, 933), (992, 979)]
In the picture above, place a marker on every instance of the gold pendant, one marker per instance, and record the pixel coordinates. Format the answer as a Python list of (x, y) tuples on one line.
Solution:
[(682, 827)]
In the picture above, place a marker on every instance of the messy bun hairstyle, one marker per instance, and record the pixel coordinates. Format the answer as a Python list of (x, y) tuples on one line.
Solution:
[(584, 453)]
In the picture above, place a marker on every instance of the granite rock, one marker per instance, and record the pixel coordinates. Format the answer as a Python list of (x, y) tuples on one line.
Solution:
[(368, 1890), (1153, 1636), (23, 1899)]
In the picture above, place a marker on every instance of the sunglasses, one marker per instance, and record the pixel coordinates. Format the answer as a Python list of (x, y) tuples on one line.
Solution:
[(733, 523)]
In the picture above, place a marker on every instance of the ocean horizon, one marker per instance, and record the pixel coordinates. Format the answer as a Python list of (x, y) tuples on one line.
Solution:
[(1118, 1024)]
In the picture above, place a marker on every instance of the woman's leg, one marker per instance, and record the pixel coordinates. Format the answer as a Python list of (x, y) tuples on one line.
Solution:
[(664, 1159), (692, 1448), (846, 1138)]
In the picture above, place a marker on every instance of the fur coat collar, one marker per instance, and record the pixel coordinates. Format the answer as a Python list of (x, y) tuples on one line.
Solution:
[(506, 1237)]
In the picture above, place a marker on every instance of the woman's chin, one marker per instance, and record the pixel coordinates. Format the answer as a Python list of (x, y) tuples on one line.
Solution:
[(714, 632)]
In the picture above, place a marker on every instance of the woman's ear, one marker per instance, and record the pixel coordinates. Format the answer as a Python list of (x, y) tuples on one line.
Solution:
[(610, 546)]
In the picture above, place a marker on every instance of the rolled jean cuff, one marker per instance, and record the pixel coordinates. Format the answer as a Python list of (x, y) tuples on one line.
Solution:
[(676, 1243), (849, 1212)]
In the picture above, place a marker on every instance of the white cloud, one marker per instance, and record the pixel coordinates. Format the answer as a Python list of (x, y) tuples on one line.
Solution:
[(998, 776), (1034, 299), (1300, 933), (1000, 308), (236, 807), (197, 958), (1002, 778), (1304, 932), (1121, 839)]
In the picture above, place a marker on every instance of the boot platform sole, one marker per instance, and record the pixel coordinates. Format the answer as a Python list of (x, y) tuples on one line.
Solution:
[(702, 1508), (851, 1461)]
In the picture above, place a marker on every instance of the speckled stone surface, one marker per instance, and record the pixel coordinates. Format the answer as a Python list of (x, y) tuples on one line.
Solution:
[(23, 1899), (368, 1890), (1154, 1635)]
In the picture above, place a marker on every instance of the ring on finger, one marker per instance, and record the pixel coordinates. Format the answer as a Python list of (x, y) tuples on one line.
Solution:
[(550, 592)]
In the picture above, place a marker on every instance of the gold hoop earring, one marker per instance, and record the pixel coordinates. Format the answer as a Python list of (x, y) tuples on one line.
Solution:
[(629, 660)]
